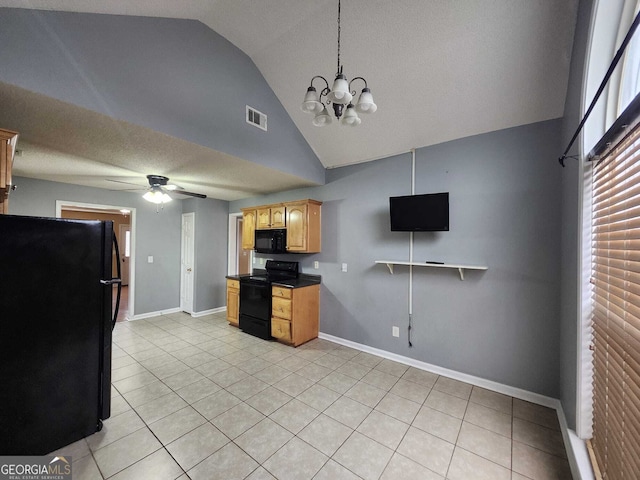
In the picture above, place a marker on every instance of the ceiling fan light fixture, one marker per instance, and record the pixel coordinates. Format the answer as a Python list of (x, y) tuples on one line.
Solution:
[(157, 196)]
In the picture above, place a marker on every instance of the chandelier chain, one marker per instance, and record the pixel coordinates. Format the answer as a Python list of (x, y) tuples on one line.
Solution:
[(338, 70)]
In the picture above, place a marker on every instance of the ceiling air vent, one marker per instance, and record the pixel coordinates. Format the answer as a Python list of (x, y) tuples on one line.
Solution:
[(256, 118)]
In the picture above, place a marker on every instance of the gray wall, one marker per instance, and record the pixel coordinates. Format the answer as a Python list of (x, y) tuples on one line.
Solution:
[(571, 185), (157, 284), (211, 238), (175, 76), (502, 324)]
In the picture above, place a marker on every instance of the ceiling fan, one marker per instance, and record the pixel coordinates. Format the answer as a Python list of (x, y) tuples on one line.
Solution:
[(158, 187)]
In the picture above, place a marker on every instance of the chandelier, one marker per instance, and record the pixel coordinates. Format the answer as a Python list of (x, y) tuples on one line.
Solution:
[(339, 97)]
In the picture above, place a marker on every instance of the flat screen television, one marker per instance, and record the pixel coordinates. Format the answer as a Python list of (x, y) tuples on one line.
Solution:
[(420, 213)]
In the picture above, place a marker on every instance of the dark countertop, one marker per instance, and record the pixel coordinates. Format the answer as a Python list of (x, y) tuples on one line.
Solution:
[(304, 280), (237, 277)]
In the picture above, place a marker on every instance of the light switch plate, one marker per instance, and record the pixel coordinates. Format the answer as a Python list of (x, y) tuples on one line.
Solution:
[(316, 265), (395, 331), (344, 267), (150, 259)]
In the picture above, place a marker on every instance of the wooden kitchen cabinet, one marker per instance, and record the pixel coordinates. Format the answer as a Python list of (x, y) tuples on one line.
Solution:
[(301, 219), (233, 301), (271, 216), (295, 314), (8, 140), (303, 226), (248, 228)]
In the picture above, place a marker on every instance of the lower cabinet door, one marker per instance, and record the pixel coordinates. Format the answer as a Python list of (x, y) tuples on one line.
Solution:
[(281, 329)]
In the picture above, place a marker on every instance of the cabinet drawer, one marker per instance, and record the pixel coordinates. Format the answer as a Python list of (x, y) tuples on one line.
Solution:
[(281, 307), (281, 329), (282, 292), (233, 283)]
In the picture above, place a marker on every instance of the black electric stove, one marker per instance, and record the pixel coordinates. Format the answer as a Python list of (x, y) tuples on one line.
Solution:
[(255, 297)]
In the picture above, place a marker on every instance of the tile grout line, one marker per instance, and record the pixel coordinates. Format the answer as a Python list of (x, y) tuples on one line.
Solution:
[(315, 381)]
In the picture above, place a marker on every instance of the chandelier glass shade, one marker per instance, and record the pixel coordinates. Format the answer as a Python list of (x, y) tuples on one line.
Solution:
[(339, 96)]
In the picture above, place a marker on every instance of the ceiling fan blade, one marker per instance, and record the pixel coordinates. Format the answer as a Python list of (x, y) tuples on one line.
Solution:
[(190, 194), (126, 183)]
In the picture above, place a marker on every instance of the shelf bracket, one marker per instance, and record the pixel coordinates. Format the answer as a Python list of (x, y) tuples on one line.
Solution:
[(390, 267), (461, 272)]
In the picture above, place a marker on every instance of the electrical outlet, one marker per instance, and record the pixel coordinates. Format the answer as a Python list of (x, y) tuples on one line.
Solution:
[(261, 261), (316, 265), (344, 267), (395, 331), (150, 259)]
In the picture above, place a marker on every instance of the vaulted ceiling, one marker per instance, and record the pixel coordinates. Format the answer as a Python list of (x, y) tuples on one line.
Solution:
[(438, 69)]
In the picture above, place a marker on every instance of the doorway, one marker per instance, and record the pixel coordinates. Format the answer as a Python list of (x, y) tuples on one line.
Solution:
[(124, 240), (239, 261), (123, 219)]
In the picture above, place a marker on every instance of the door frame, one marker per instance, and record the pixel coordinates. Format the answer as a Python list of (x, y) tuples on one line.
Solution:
[(232, 245), (182, 273), (122, 245), (98, 208)]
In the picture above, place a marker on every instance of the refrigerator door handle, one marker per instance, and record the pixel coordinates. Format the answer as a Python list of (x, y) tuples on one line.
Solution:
[(117, 281)]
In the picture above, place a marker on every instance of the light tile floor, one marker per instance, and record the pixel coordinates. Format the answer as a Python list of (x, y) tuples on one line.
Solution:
[(197, 398)]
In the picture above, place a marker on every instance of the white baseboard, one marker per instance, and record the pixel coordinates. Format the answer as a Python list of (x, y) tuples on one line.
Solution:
[(576, 450), (177, 310), (209, 312), (463, 377), (142, 316), (575, 447)]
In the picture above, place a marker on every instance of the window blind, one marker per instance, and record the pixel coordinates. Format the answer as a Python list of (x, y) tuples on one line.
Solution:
[(615, 279)]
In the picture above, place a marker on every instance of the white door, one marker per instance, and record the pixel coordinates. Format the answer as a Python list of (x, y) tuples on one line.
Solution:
[(124, 242), (186, 263)]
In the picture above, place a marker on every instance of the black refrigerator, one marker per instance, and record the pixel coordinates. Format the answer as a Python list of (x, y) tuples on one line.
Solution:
[(56, 291)]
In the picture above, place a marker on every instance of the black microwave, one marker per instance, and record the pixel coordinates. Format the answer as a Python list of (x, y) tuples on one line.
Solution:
[(271, 241)]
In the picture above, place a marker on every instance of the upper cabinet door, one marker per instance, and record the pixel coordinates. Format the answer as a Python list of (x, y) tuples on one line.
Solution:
[(297, 227), (278, 218), (264, 218), (248, 229), (271, 217)]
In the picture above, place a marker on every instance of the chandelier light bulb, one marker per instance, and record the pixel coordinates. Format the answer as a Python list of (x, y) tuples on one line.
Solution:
[(350, 117), (340, 91), (323, 118), (311, 103), (365, 102)]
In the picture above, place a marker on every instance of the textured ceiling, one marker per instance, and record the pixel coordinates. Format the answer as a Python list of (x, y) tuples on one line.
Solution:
[(438, 69), (69, 144)]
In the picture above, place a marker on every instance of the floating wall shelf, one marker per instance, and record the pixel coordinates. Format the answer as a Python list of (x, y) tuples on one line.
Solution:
[(461, 268)]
